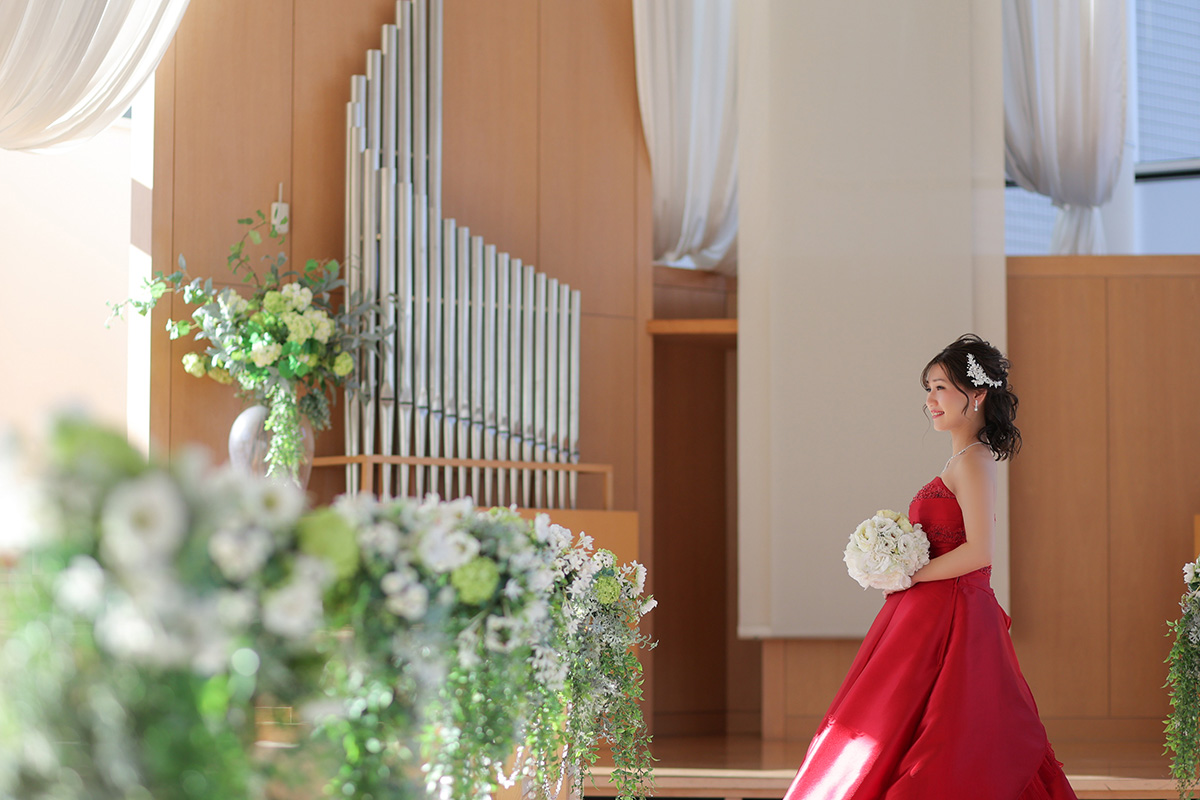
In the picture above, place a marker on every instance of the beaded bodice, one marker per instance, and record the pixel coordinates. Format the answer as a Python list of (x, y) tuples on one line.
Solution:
[(936, 508)]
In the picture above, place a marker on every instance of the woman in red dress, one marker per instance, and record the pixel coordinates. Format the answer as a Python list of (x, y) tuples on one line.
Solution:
[(934, 706)]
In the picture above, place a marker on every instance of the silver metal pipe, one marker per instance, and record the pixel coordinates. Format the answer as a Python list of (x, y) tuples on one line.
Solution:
[(539, 386), (370, 244), (449, 345), (516, 353), (355, 142), (573, 421), (489, 366), (420, 351), (476, 361), (503, 357), (563, 446), (463, 433), (527, 381), (551, 386), (434, 349), (436, 26)]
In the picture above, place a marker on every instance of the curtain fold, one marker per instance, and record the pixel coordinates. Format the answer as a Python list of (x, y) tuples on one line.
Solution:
[(1065, 78), (68, 68), (687, 87)]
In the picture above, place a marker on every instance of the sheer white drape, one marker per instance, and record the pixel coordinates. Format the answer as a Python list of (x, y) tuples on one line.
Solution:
[(1065, 70), (68, 68), (687, 90)]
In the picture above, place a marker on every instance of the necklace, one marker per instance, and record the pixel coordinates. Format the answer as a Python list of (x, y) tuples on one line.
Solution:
[(959, 453)]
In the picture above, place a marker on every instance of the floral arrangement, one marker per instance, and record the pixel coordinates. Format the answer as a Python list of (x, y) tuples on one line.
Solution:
[(513, 645), (1183, 681), (285, 335), (603, 607), (885, 551), (161, 602), (434, 648)]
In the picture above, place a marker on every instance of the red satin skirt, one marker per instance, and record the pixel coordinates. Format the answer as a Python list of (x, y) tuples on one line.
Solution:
[(934, 708)]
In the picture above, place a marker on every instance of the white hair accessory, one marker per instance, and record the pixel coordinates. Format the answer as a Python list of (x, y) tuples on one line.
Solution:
[(977, 375)]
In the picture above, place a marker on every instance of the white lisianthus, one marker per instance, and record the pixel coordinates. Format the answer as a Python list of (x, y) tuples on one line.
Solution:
[(240, 552), (885, 551), (144, 521), (410, 602), (127, 633), (445, 551), (80, 587), (265, 354), (295, 611), (273, 503), (382, 539), (1189, 573)]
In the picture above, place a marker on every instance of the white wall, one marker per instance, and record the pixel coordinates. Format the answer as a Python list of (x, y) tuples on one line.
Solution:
[(64, 246), (872, 234)]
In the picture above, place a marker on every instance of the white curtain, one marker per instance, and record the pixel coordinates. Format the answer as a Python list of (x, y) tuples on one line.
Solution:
[(687, 90), (1065, 68), (68, 68)]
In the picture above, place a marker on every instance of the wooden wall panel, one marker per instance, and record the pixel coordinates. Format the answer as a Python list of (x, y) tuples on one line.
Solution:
[(607, 418), (589, 136), (330, 46), (1057, 338), (1154, 345), (233, 124), (490, 124), (690, 548)]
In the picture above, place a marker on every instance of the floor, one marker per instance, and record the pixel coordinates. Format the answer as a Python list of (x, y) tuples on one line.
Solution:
[(748, 767)]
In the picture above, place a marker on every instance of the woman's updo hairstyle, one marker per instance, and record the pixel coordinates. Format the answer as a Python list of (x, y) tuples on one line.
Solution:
[(1000, 406)]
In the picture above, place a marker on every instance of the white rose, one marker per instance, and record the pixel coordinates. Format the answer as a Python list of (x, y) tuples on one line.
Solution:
[(144, 521)]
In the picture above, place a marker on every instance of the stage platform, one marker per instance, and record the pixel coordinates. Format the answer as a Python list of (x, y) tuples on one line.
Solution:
[(732, 768)]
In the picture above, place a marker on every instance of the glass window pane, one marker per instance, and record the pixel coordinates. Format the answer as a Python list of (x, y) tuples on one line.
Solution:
[(1028, 222), (1168, 79)]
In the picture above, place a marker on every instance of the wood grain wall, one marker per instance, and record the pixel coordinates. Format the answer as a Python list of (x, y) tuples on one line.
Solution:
[(543, 156), (708, 681), (1103, 497)]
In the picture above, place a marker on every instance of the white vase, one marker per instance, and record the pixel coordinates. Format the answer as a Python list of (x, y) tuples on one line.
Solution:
[(249, 442)]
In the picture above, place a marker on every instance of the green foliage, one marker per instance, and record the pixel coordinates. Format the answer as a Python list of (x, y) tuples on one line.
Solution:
[(1183, 681)]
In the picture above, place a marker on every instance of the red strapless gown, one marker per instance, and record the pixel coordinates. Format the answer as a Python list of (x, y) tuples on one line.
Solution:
[(935, 706)]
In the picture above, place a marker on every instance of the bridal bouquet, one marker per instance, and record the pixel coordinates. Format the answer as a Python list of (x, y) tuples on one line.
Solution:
[(885, 550)]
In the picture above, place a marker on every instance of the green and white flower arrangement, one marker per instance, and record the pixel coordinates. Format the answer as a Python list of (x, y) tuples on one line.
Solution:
[(435, 649), (1183, 681), (285, 335), (160, 603)]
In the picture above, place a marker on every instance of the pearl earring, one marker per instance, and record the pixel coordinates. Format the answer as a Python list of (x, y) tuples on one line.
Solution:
[(976, 405)]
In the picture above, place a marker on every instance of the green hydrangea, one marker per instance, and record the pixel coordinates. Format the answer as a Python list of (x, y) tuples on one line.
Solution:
[(275, 303), (220, 375), (343, 365), (476, 581), (608, 590), (195, 364), (328, 535)]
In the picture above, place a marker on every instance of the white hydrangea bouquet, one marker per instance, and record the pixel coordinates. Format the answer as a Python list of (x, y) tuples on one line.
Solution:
[(885, 551), (285, 335)]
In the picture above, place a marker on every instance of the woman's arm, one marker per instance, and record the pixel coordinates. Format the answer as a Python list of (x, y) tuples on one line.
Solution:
[(974, 484)]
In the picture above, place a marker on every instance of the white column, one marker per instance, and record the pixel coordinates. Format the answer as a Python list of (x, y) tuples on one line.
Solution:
[(871, 236)]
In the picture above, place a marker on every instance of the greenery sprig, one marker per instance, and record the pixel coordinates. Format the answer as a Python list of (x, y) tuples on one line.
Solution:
[(1183, 681)]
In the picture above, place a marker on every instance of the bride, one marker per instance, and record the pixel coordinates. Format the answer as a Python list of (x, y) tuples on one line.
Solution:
[(934, 706)]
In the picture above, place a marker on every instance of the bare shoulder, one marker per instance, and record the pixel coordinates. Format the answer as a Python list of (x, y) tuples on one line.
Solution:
[(973, 473)]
